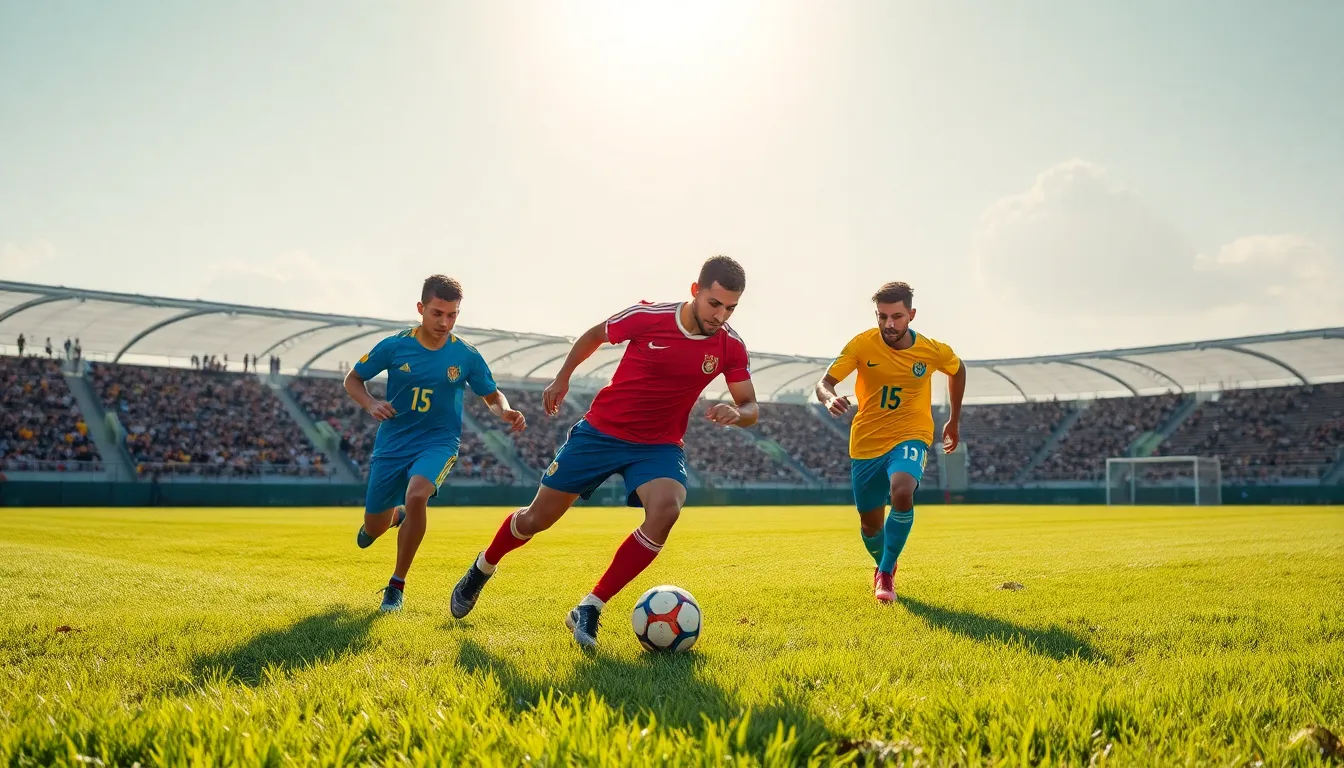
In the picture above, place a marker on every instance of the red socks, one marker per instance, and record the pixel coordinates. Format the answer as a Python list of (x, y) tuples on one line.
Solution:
[(506, 540), (634, 555)]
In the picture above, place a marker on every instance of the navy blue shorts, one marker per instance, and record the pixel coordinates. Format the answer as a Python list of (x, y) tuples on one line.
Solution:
[(872, 477), (590, 456), (389, 476)]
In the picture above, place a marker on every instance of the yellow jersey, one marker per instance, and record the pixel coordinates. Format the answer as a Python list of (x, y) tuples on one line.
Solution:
[(894, 390)]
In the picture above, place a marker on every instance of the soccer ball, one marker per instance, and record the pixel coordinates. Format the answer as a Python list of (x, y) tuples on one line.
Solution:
[(666, 618)]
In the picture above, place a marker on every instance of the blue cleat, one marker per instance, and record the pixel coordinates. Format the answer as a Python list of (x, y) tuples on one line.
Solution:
[(467, 591), (392, 598), (364, 540), (583, 621)]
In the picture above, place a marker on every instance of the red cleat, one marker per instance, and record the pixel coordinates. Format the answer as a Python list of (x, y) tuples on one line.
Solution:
[(883, 587)]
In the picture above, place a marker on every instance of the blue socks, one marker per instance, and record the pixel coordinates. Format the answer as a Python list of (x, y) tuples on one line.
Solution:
[(896, 531), (874, 544)]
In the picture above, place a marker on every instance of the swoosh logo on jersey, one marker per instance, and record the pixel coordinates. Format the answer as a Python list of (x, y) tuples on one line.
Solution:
[(871, 364), (655, 346)]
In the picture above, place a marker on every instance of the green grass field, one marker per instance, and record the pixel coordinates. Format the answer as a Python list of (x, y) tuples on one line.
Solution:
[(1150, 636)]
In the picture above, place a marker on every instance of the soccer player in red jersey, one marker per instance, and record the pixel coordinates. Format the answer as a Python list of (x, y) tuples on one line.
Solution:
[(634, 428)]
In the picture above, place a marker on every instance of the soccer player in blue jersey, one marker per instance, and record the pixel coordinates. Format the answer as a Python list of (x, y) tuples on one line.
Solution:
[(420, 422)]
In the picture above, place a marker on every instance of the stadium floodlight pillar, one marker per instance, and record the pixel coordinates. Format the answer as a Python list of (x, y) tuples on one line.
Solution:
[(1196, 480)]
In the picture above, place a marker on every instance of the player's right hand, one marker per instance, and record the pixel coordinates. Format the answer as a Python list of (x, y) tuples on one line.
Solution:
[(554, 396), (381, 410), (838, 405)]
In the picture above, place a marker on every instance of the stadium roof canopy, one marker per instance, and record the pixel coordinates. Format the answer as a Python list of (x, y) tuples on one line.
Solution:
[(131, 328)]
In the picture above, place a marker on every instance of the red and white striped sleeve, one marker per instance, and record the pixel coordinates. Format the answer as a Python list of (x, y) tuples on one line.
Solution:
[(632, 321)]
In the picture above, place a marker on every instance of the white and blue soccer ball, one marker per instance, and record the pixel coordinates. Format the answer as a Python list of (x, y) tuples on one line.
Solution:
[(666, 618)]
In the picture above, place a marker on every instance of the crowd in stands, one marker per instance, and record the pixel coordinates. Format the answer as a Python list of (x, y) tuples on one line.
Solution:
[(1263, 435), (725, 456), (41, 428), (820, 447), (1002, 439), (538, 444), (1106, 429), (181, 421), (205, 420), (326, 400)]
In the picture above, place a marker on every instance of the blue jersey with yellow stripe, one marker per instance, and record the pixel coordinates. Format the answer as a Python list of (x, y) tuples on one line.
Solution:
[(425, 387)]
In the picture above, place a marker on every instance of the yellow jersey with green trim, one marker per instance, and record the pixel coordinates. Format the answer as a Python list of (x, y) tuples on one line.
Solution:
[(894, 390)]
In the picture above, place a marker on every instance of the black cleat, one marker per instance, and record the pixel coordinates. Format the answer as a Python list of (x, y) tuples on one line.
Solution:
[(583, 621), (468, 591)]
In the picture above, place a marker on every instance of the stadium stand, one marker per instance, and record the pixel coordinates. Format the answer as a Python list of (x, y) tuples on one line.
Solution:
[(41, 427), (1104, 430), (1266, 435), (536, 446), (799, 429), (201, 418), (1002, 439), (325, 399), (727, 456), (190, 422)]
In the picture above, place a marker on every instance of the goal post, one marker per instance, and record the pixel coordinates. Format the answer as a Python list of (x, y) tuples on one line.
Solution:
[(1194, 480)]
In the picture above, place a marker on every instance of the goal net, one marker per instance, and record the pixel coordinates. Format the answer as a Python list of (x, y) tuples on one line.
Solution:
[(1196, 480)]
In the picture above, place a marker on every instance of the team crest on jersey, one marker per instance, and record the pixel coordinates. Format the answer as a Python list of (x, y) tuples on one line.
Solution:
[(710, 364), (551, 469), (918, 368), (454, 373)]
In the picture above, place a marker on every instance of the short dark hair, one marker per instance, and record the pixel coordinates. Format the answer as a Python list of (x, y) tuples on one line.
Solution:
[(895, 293), (440, 287), (725, 272)]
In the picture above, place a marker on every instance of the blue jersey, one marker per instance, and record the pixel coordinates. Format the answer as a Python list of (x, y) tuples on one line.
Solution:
[(425, 386)]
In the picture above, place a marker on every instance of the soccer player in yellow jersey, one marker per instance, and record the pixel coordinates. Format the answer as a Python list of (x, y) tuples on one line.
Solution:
[(893, 430)]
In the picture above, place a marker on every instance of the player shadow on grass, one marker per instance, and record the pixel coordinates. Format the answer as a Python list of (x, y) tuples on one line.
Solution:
[(666, 685), (1056, 642), (320, 637)]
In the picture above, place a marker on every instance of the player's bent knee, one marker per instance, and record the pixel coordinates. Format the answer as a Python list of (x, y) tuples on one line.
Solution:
[(418, 494), (903, 491), (545, 511)]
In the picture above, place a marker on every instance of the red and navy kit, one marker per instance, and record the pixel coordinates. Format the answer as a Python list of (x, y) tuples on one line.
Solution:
[(636, 423)]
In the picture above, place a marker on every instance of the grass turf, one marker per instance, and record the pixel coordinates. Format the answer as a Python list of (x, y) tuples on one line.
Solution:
[(1143, 636)]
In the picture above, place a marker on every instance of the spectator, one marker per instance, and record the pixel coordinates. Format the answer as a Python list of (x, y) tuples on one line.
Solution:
[(326, 400), (1105, 430), (22, 343), (41, 427), (192, 423), (1001, 439)]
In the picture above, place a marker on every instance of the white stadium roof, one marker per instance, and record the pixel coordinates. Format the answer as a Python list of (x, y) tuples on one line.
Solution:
[(131, 328)]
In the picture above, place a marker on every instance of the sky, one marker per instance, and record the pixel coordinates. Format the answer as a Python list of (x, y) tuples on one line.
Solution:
[(1050, 177)]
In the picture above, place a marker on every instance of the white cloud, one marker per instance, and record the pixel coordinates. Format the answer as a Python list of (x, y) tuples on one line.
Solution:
[(30, 263), (1077, 241), (1079, 250)]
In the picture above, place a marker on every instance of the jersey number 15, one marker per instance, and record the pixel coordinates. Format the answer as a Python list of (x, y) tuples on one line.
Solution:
[(891, 400), (420, 399)]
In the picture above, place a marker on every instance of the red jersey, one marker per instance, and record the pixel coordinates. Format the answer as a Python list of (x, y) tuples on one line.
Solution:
[(663, 371)]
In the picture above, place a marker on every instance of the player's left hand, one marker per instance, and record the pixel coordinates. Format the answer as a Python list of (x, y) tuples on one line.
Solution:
[(723, 413), (516, 419), (951, 436)]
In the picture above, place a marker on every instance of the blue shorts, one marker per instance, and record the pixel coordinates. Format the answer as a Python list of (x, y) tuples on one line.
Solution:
[(590, 456), (872, 477), (389, 476)]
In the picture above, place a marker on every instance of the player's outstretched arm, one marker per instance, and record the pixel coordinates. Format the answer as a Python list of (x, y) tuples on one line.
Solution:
[(583, 348), (957, 390), (826, 394), (359, 392), (499, 405), (744, 413)]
